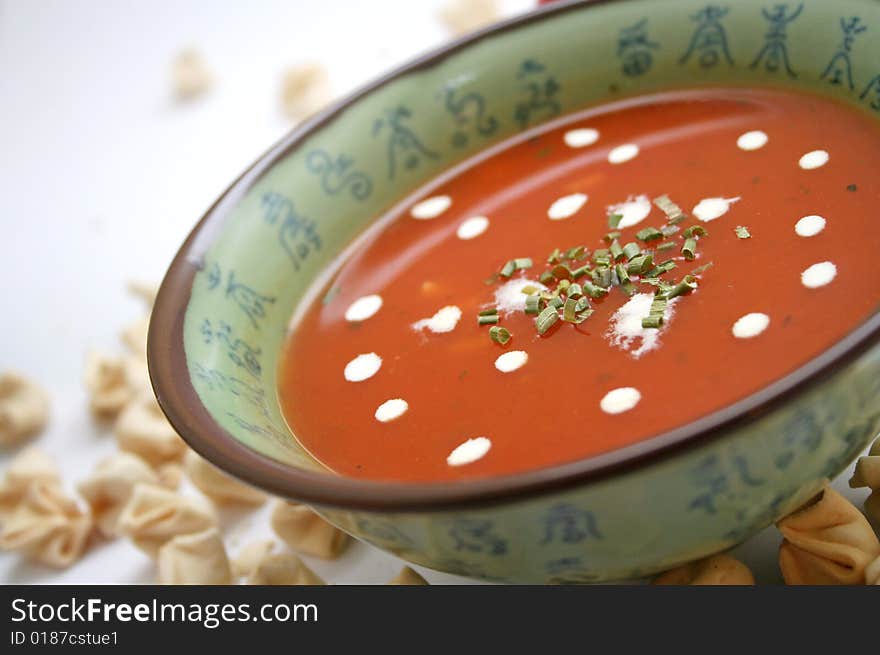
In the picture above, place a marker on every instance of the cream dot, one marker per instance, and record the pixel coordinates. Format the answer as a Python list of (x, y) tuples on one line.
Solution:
[(430, 208), (632, 212), (566, 206), (469, 451), (814, 159), (363, 308), (708, 209), (472, 227), (809, 226), (818, 275), (444, 320), (581, 138), (510, 361), (623, 153), (754, 140), (362, 367), (391, 409), (620, 400), (750, 325)]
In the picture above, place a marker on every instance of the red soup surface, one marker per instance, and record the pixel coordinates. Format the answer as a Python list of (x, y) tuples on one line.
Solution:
[(389, 375)]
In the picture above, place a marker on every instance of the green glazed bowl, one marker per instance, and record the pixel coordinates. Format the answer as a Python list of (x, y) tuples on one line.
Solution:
[(224, 306)]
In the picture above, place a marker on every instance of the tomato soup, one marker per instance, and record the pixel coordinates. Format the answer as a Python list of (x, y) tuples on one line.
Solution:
[(591, 284)]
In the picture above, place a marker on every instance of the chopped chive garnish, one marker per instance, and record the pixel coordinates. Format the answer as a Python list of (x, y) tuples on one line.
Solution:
[(574, 291), (488, 320), (508, 269), (628, 288), (702, 269), (533, 305), (684, 287), (666, 245), (594, 290), (695, 231), (742, 232), (632, 249), (523, 262), (660, 269), (555, 303), (640, 264), (673, 212), (601, 256), (615, 250), (546, 320), (499, 334), (569, 314), (582, 304), (689, 248), (658, 305), (614, 220), (611, 236), (652, 321), (492, 279), (578, 273), (602, 277), (546, 278), (622, 275), (649, 234), (489, 312), (576, 253), (669, 230), (555, 257), (561, 272), (529, 290), (563, 285)]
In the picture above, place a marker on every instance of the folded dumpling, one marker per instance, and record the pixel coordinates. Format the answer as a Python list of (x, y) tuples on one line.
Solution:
[(47, 526), (715, 570), (113, 382), (407, 577), (197, 558), (217, 485), (867, 471), (24, 409), (827, 542), (29, 466), (109, 488), (249, 557), (142, 429), (283, 569), (154, 515), (305, 531)]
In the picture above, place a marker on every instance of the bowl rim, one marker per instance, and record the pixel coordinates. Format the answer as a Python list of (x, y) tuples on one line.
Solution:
[(179, 401)]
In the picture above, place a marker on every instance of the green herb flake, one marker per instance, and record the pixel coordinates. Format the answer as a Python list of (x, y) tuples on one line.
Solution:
[(569, 315), (576, 253), (615, 250), (622, 275), (489, 312), (499, 335), (689, 249), (673, 212), (649, 234), (574, 291), (611, 236), (488, 320), (594, 290), (546, 320), (561, 272), (684, 287), (640, 264), (555, 257), (695, 231), (523, 263), (508, 269), (669, 230), (666, 245), (632, 249), (742, 232), (699, 270), (578, 273), (614, 220), (529, 290), (547, 278), (652, 321), (533, 305)]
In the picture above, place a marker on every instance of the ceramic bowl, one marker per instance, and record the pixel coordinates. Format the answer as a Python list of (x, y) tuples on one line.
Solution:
[(224, 306)]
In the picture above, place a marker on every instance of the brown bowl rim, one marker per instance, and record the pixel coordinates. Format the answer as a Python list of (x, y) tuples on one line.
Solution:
[(176, 396)]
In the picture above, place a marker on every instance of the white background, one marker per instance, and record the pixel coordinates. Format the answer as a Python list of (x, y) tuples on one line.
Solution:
[(102, 176)]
